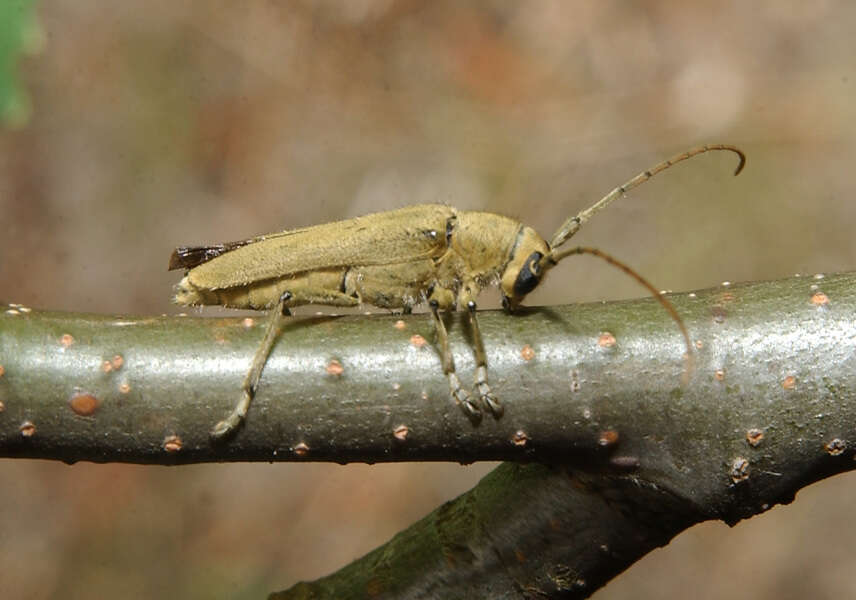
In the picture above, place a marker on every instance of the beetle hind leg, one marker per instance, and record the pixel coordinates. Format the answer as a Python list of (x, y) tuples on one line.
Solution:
[(230, 424)]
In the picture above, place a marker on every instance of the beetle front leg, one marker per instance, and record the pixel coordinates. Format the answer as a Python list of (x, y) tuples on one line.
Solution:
[(485, 394), (455, 389)]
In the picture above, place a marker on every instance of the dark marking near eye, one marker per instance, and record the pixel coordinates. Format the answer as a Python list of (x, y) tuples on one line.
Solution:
[(529, 275)]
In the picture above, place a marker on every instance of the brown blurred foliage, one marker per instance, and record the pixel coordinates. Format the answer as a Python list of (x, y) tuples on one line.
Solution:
[(164, 123)]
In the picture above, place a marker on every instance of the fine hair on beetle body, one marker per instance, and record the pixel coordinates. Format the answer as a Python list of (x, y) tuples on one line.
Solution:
[(429, 253)]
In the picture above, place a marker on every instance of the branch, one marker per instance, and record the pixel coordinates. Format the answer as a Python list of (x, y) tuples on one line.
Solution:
[(769, 409), (597, 391)]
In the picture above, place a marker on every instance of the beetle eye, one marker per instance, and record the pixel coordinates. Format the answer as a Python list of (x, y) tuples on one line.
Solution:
[(529, 276), (534, 264)]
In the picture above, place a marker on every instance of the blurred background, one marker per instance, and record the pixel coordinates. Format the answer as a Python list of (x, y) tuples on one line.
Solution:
[(134, 127)]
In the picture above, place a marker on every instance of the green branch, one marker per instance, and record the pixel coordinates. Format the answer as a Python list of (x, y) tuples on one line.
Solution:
[(640, 448)]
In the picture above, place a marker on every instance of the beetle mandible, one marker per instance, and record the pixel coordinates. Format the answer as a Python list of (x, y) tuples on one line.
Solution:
[(396, 259)]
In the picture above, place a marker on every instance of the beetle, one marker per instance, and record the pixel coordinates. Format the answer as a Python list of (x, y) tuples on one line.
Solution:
[(396, 260)]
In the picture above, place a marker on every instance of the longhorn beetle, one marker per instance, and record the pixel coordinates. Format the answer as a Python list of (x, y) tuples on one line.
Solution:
[(397, 260)]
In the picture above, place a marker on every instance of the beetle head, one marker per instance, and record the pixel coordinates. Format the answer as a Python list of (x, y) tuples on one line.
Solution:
[(525, 268)]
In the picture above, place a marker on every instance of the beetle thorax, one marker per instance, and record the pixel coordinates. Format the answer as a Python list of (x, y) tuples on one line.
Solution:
[(480, 241)]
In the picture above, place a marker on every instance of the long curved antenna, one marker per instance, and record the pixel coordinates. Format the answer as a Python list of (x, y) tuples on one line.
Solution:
[(555, 257), (573, 224)]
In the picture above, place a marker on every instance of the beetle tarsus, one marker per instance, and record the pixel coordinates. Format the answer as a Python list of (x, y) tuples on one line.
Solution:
[(492, 404), (486, 396), (227, 427), (464, 400)]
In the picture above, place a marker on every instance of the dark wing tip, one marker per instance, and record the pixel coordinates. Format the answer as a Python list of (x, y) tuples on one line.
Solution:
[(179, 259), (187, 257), (175, 260)]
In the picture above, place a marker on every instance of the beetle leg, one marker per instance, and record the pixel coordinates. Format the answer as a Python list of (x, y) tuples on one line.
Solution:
[(485, 394), (230, 424), (455, 389)]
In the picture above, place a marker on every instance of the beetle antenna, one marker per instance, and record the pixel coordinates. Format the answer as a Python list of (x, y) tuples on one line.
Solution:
[(554, 257), (572, 225)]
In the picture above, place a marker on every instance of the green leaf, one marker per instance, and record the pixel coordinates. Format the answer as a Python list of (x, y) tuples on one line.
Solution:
[(19, 34)]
